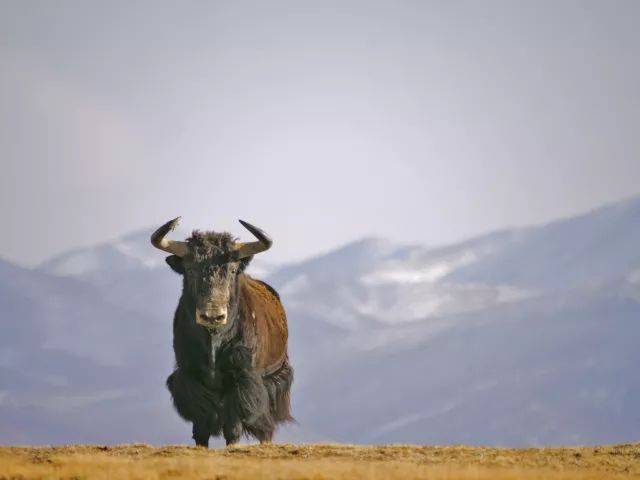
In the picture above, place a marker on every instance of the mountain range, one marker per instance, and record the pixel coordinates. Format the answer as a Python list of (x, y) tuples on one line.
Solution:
[(526, 336)]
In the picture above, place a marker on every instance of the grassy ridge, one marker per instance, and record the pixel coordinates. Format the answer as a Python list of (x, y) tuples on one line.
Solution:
[(318, 462)]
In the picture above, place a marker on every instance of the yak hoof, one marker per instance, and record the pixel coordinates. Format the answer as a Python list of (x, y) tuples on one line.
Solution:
[(201, 436), (232, 432)]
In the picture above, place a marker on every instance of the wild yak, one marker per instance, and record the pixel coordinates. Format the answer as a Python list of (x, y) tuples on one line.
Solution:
[(232, 372)]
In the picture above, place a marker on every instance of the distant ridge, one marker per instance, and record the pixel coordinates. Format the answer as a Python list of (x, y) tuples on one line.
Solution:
[(524, 336)]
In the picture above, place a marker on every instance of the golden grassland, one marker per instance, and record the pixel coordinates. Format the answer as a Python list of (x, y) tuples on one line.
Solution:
[(318, 462)]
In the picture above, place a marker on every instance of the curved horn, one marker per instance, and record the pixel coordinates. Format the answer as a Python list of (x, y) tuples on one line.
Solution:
[(170, 246), (252, 248)]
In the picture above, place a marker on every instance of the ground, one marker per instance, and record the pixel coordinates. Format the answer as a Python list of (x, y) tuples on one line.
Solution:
[(318, 462)]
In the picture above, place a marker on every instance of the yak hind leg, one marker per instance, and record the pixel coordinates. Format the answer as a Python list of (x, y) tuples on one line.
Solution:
[(278, 385)]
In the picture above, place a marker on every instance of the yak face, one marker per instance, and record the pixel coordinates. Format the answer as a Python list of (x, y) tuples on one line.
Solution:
[(210, 270), (210, 263)]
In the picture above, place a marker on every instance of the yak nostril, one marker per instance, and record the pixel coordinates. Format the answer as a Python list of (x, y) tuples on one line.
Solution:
[(212, 318)]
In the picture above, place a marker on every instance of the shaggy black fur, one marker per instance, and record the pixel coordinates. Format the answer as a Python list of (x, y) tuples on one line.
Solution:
[(214, 385)]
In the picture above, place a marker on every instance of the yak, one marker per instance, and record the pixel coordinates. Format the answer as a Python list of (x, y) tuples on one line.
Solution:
[(232, 373)]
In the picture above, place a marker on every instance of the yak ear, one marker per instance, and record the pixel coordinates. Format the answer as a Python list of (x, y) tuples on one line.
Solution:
[(175, 262)]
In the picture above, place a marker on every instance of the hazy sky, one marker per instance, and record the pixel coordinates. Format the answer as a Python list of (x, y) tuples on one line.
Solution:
[(321, 122)]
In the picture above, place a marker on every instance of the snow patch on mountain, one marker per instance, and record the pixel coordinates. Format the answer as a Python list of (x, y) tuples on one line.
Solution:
[(128, 253), (76, 264), (431, 272)]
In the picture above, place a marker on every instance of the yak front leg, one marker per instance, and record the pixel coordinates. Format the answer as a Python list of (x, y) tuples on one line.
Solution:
[(231, 424), (201, 434), (246, 401), (205, 428), (197, 404)]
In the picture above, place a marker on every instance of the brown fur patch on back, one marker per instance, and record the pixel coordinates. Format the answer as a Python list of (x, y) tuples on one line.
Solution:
[(264, 323)]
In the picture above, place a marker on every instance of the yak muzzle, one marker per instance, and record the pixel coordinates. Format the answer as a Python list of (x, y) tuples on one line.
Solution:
[(211, 318)]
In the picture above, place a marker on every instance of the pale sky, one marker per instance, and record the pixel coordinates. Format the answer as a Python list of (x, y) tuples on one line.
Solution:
[(321, 122)]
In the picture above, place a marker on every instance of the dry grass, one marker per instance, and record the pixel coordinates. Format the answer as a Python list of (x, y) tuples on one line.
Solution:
[(319, 462)]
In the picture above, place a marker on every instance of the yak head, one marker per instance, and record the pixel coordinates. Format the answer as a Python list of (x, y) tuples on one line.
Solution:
[(210, 263)]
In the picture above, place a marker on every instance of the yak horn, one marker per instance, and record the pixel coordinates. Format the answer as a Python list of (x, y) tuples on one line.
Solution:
[(170, 246), (252, 248)]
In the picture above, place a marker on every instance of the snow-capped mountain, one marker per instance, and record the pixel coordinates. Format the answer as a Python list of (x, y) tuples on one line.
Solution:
[(524, 336)]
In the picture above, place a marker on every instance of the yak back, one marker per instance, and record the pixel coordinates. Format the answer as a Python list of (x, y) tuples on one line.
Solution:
[(263, 324)]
